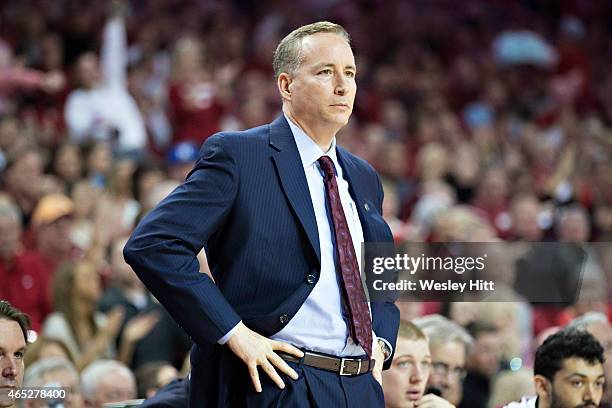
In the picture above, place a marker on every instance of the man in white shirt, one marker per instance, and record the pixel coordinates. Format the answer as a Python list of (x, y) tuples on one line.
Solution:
[(568, 372), (102, 108)]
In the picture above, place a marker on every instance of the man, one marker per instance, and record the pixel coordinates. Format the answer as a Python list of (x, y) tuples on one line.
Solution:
[(102, 108), (599, 326), (52, 222), (106, 381), (405, 382), (449, 344), (24, 277), (483, 363), (568, 372), (14, 327), (282, 212), (54, 372)]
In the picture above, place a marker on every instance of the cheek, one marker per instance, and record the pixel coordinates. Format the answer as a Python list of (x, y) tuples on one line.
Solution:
[(395, 378)]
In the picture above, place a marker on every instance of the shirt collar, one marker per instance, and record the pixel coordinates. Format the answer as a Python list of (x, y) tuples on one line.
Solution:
[(309, 150)]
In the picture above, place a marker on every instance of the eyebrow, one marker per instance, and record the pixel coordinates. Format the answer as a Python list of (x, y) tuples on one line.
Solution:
[(330, 65), (411, 356), (583, 375)]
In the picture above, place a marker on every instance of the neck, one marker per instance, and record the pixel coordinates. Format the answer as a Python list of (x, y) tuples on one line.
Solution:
[(322, 135), (82, 309)]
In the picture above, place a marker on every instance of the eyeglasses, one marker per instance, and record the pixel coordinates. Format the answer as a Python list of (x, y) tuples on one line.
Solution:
[(444, 369)]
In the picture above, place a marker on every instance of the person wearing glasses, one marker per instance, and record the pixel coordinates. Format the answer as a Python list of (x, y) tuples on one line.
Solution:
[(449, 344), (405, 383)]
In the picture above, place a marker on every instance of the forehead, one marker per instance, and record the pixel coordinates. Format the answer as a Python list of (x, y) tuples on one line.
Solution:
[(414, 348), (11, 336), (326, 48), (451, 352), (575, 365)]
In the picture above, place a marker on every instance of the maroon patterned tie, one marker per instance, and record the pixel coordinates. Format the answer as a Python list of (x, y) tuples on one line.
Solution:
[(360, 323)]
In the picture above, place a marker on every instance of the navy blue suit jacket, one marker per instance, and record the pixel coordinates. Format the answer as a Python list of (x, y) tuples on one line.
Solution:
[(248, 201)]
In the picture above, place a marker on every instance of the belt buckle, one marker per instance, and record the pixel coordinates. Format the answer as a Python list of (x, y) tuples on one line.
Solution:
[(342, 366)]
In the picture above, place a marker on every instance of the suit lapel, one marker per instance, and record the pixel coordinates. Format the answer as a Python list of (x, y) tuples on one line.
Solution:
[(351, 175), (293, 179)]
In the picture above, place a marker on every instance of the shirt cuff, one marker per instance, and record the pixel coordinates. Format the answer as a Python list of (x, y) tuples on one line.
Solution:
[(227, 336)]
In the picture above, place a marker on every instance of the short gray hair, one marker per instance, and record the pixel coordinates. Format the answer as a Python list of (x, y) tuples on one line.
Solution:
[(287, 57), (97, 371), (440, 330), (36, 372), (583, 322)]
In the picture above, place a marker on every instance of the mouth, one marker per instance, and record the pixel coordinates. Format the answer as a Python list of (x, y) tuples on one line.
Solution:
[(340, 106), (414, 395)]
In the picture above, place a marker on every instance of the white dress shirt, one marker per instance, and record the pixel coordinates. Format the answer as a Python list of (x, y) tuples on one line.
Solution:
[(319, 325), (97, 112)]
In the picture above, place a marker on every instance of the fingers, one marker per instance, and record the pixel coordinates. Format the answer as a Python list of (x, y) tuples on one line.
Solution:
[(433, 401), (254, 376), (287, 348), (283, 366), (269, 369)]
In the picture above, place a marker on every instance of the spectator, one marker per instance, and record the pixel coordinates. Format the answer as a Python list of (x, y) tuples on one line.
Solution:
[(54, 372), (568, 372), (44, 348), (101, 108), (511, 386), (25, 279), (449, 344), (105, 381), (52, 224), (148, 334), (598, 325), (14, 327), (153, 376), (196, 106), (89, 335), (23, 180), (67, 165), (405, 382), (483, 362)]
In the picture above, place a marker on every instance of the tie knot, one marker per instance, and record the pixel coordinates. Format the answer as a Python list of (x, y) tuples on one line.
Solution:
[(327, 165)]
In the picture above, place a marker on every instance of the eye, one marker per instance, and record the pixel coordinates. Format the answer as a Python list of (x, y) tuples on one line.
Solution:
[(19, 354), (600, 383), (350, 74), (576, 383), (326, 71)]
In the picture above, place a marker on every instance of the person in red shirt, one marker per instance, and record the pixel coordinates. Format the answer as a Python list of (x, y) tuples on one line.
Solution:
[(25, 280), (195, 99)]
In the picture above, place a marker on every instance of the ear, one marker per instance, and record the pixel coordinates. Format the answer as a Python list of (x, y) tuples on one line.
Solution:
[(543, 387), (284, 83)]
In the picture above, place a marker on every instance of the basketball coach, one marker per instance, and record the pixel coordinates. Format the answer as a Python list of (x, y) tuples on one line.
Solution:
[(282, 212)]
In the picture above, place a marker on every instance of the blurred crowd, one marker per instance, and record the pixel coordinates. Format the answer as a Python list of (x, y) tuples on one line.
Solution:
[(487, 122)]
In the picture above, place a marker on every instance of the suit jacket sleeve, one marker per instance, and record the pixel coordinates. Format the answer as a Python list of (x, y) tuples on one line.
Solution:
[(162, 249), (385, 315)]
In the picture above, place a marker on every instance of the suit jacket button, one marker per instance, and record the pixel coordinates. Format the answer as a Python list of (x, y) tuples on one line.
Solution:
[(283, 318), (310, 279)]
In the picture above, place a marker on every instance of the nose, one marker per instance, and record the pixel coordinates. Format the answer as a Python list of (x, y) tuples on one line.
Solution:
[(417, 375), (589, 392), (9, 368), (340, 85)]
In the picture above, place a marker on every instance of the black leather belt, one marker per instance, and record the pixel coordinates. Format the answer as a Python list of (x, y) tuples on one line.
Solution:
[(341, 366)]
